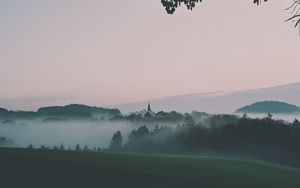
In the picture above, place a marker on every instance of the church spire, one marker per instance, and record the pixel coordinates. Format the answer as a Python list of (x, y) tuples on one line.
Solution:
[(149, 108)]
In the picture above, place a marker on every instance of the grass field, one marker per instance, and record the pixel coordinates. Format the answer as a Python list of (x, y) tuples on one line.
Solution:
[(36, 168)]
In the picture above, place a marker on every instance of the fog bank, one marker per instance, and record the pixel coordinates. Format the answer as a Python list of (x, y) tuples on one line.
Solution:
[(92, 134)]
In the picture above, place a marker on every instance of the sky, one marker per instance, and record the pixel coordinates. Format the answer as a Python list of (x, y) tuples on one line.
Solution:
[(103, 53)]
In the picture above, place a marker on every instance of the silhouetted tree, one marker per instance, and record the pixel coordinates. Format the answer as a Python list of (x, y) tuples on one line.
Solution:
[(77, 147), (140, 132), (172, 5), (86, 148), (116, 142), (188, 119), (30, 146), (245, 116), (55, 148), (62, 147), (43, 147), (269, 116), (266, 138), (296, 123)]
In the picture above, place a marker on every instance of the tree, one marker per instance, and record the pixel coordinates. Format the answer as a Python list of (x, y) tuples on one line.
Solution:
[(55, 148), (116, 142), (295, 10), (43, 147), (86, 148), (188, 119), (140, 132), (172, 5), (77, 147), (296, 123), (269, 116), (62, 147), (30, 146)]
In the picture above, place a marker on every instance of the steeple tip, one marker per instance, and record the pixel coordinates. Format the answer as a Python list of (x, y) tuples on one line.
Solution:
[(149, 108)]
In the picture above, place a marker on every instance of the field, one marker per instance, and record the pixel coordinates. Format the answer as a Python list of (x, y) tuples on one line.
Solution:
[(37, 168)]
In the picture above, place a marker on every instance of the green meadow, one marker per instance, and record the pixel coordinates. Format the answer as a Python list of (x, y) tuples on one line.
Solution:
[(44, 168)]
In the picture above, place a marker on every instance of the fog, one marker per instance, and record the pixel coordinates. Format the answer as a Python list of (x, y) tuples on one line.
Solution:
[(286, 117), (69, 133), (92, 134)]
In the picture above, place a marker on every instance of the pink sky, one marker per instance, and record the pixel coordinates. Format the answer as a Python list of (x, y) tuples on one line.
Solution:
[(111, 52)]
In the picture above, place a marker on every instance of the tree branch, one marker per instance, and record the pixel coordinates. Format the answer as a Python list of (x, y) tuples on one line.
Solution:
[(172, 5)]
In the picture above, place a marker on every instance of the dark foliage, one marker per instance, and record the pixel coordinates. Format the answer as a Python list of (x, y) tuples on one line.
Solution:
[(265, 138), (172, 5), (75, 110), (60, 113), (143, 140), (149, 116), (116, 142)]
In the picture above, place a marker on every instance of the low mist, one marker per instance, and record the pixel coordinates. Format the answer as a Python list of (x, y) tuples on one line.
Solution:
[(37, 133), (69, 133)]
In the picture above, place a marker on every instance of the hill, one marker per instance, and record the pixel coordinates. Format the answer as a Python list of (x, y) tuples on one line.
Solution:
[(38, 168), (76, 110), (211, 102), (219, 102), (274, 107), (68, 111)]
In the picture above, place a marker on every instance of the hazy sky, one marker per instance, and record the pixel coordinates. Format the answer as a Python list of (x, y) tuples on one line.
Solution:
[(109, 52)]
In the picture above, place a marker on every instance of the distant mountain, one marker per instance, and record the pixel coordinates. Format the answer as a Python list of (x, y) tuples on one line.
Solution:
[(219, 102), (213, 102), (274, 107), (61, 112), (76, 110), (4, 113)]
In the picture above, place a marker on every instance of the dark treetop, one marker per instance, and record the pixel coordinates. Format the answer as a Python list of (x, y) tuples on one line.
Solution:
[(172, 5)]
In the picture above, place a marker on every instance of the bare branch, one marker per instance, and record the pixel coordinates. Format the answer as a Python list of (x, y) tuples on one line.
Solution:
[(295, 7)]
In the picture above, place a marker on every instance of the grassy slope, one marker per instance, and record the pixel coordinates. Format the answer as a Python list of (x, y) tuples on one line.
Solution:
[(24, 168)]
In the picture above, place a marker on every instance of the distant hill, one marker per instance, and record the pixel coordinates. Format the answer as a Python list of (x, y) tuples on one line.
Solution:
[(77, 110), (212, 102), (269, 107), (68, 111), (218, 102)]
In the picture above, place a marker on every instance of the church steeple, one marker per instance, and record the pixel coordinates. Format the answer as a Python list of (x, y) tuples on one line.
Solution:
[(149, 108)]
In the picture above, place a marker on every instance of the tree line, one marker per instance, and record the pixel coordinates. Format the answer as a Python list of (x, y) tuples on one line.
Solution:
[(265, 138)]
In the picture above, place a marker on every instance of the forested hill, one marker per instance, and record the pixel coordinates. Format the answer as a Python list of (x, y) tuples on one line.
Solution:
[(72, 110), (76, 110), (269, 107)]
